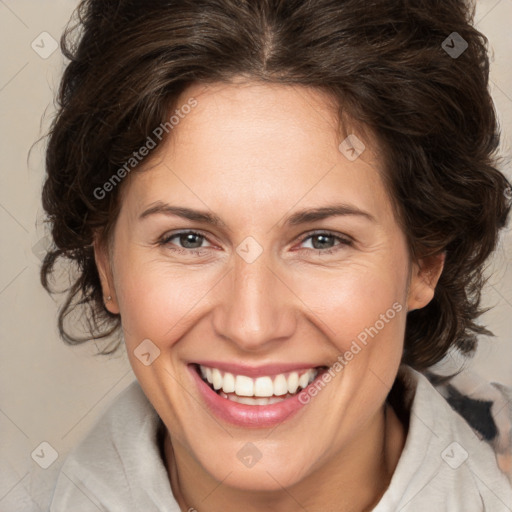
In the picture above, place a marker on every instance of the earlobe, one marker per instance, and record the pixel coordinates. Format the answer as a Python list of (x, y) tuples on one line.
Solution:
[(105, 272), (424, 278)]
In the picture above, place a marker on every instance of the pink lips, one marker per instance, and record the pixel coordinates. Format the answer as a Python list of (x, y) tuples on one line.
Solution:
[(255, 416)]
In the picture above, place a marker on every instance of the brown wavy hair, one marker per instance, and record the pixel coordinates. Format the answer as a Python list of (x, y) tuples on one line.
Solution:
[(383, 62)]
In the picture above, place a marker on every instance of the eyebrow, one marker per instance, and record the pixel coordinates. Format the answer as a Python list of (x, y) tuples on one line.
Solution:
[(315, 214), (183, 212), (300, 217)]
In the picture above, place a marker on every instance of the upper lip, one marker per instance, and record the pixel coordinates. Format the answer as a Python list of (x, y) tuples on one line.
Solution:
[(257, 371)]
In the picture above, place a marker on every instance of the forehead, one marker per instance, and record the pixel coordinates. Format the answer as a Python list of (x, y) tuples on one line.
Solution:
[(257, 115), (256, 145)]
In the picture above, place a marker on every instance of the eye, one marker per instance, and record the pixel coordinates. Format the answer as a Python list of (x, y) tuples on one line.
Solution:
[(323, 242), (191, 242)]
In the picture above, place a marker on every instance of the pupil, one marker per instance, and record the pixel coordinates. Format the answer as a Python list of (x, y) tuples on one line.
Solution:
[(189, 238), (321, 237)]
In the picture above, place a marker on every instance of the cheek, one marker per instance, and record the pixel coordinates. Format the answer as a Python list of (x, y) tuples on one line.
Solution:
[(157, 301), (361, 310), (353, 299)]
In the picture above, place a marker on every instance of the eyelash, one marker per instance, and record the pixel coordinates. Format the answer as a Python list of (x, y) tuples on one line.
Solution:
[(345, 241)]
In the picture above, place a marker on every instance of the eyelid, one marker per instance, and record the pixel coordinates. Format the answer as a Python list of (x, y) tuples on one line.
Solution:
[(172, 234), (345, 240), (340, 236)]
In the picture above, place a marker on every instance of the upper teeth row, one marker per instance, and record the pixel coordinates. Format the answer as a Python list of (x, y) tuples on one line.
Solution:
[(262, 386)]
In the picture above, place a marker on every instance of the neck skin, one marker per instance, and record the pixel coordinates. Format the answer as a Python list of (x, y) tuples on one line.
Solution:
[(354, 485)]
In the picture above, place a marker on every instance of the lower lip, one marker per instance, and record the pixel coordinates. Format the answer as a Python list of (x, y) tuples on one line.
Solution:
[(259, 416)]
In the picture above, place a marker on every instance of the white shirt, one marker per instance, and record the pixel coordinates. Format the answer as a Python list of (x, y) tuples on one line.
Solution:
[(444, 466)]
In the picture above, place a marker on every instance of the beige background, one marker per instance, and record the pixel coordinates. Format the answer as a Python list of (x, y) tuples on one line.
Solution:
[(50, 392)]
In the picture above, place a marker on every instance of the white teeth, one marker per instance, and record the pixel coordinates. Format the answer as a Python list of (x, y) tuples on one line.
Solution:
[(268, 389), (263, 387), (280, 385), (251, 401), (293, 382), (245, 400), (229, 383), (244, 386), (303, 380), (274, 400), (217, 378)]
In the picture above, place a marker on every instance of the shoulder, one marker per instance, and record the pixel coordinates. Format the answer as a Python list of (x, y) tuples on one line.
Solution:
[(115, 431), (487, 409), (109, 468), (444, 464)]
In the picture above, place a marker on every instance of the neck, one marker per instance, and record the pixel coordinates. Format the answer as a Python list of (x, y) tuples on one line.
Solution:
[(352, 481)]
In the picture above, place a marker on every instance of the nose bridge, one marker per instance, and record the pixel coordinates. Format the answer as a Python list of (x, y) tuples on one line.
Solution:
[(256, 306)]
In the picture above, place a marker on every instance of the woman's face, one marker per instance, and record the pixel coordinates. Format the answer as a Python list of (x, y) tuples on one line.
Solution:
[(268, 292)]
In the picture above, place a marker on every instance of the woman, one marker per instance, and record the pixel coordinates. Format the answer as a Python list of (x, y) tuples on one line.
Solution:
[(284, 208)]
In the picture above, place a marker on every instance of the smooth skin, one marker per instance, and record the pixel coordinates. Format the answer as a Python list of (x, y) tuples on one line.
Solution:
[(254, 154)]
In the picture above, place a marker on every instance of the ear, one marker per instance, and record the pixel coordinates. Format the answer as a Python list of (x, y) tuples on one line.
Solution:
[(104, 266), (423, 281)]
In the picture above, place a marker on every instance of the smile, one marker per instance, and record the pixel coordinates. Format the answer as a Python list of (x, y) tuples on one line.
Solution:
[(260, 391), (263, 400)]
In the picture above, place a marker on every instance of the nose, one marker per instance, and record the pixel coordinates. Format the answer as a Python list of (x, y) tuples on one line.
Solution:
[(256, 308)]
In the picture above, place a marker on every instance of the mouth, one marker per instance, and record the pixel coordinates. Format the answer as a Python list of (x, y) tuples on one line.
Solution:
[(258, 391)]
